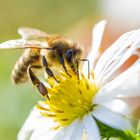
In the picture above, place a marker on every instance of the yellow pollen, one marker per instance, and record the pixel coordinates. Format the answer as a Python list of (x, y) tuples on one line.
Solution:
[(69, 99)]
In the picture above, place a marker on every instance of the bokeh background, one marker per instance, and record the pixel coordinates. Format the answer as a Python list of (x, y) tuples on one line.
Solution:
[(73, 18)]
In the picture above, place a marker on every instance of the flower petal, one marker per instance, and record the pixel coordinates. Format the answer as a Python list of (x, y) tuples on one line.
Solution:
[(117, 105), (74, 131), (110, 118), (91, 128), (116, 55), (34, 121), (97, 35), (126, 84), (44, 133)]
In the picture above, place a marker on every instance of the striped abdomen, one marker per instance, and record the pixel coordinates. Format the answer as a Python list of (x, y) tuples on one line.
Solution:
[(29, 57)]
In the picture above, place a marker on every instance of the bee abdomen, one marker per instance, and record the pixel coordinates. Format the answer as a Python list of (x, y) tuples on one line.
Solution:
[(19, 73)]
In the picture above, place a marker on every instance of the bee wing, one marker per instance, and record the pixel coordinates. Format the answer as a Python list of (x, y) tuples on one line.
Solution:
[(31, 33), (23, 44)]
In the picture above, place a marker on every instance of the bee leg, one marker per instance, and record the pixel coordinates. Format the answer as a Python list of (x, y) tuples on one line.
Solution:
[(61, 58), (64, 67), (62, 62), (40, 86), (77, 68), (47, 69), (74, 64)]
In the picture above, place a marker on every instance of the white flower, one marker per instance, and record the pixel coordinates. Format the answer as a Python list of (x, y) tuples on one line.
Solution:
[(74, 107)]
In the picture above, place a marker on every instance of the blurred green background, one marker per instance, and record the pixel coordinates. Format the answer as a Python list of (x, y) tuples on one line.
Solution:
[(52, 16)]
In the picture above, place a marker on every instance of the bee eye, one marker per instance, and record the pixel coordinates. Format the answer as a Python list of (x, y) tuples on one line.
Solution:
[(69, 55)]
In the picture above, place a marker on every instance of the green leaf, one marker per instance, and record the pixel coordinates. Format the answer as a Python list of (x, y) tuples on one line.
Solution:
[(108, 132)]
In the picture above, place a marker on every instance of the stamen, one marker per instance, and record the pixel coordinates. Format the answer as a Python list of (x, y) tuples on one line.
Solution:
[(59, 111), (48, 115), (42, 108), (65, 119), (69, 99)]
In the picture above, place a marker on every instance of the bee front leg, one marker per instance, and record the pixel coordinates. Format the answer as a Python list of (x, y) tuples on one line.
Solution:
[(47, 69), (63, 64), (73, 63), (36, 82), (61, 60)]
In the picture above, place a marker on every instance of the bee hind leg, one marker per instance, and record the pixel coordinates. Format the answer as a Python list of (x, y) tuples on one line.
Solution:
[(36, 82)]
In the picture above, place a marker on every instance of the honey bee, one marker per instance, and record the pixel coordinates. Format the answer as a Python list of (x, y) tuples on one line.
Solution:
[(42, 50)]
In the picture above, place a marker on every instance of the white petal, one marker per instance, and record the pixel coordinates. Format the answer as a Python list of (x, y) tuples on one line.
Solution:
[(97, 35), (43, 133), (115, 56), (34, 121), (111, 118), (74, 131), (118, 106), (127, 84), (91, 128)]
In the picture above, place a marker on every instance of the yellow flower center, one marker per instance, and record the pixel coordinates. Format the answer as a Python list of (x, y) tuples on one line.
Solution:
[(69, 99)]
